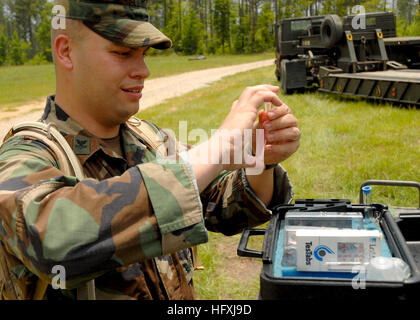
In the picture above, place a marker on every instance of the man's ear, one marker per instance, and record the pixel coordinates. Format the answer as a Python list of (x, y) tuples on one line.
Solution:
[(62, 50)]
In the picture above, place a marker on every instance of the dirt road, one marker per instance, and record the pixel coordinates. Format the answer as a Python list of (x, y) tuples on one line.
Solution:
[(155, 91)]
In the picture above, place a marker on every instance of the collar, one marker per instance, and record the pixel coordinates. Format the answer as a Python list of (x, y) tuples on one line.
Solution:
[(83, 143)]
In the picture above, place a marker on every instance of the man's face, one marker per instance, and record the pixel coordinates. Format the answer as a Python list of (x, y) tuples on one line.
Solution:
[(108, 78)]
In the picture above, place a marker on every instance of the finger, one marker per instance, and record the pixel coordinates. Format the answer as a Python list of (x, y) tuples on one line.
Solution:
[(262, 117), (259, 120), (288, 120), (276, 153), (283, 135), (261, 96), (250, 91), (279, 111), (263, 87), (234, 104)]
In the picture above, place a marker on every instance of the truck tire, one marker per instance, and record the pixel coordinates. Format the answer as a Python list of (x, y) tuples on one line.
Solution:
[(293, 75), (331, 30), (283, 76), (278, 74)]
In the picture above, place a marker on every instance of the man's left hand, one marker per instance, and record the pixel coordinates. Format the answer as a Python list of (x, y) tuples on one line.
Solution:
[(281, 133)]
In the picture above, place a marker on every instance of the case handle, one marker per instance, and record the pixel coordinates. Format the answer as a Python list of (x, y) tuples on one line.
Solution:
[(242, 250), (395, 183)]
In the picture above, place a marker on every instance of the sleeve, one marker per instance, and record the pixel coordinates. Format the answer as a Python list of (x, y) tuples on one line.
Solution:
[(230, 204), (91, 226)]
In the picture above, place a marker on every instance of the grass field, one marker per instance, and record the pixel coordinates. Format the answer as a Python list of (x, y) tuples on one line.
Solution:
[(343, 143), (21, 84)]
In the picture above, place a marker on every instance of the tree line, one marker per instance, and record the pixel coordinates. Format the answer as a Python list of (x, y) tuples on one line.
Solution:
[(195, 26)]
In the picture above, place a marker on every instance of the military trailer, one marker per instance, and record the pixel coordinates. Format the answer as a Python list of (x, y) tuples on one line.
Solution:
[(405, 50), (335, 55)]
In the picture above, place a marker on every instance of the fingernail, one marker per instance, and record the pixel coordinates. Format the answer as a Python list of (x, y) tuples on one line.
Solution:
[(271, 114)]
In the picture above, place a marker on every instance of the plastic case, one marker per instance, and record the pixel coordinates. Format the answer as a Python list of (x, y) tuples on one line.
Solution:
[(401, 238)]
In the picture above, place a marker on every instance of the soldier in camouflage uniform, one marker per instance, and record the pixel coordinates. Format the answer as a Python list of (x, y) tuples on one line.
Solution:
[(131, 222)]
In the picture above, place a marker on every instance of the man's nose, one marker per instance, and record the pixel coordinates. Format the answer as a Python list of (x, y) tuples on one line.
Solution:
[(140, 69)]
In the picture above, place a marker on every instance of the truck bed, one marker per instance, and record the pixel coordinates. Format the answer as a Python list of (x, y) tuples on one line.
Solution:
[(402, 41), (396, 86), (407, 75)]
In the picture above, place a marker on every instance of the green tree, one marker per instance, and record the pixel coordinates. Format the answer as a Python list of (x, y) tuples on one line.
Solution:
[(3, 47), (156, 13), (43, 33), (414, 28), (338, 7), (407, 9), (25, 16), (263, 37), (174, 27), (18, 53), (2, 17), (240, 29), (404, 28), (375, 5), (222, 23), (192, 32)]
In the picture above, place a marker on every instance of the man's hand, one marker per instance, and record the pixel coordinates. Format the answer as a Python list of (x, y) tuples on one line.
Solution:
[(244, 110), (241, 117), (281, 133), (282, 140), (227, 142)]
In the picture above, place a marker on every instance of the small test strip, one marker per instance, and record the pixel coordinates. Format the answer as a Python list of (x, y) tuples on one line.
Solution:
[(268, 106), (260, 148)]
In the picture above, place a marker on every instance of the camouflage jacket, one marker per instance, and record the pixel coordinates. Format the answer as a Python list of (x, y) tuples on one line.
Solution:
[(129, 224)]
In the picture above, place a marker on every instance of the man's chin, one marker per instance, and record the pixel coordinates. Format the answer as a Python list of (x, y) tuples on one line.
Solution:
[(126, 113)]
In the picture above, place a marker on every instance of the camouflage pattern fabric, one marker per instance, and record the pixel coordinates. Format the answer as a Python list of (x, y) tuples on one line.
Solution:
[(125, 22), (130, 224)]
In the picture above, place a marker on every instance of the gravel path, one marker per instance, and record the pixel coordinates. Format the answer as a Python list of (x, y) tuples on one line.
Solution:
[(155, 90)]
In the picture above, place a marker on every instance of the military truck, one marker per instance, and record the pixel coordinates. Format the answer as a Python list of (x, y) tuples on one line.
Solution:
[(334, 55)]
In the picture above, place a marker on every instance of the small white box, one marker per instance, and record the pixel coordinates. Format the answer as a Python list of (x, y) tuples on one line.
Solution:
[(336, 250), (295, 220)]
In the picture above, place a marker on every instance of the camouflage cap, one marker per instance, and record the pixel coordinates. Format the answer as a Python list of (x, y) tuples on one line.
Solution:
[(125, 22)]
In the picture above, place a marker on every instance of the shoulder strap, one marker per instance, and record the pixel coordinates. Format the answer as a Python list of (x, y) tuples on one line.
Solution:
[(67, 160), (68, 163), (149, 133), (49, 135)]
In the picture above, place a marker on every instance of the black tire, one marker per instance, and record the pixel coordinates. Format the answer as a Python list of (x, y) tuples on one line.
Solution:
[(331, 30), (283, 75), (278, 74)]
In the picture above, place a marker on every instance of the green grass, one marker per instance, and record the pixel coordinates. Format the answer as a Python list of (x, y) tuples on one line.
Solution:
[(22, 84), (219, 259), (344, 142), (161, 66)]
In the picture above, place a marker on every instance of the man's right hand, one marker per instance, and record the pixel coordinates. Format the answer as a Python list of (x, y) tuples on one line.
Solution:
[(241, 117)]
